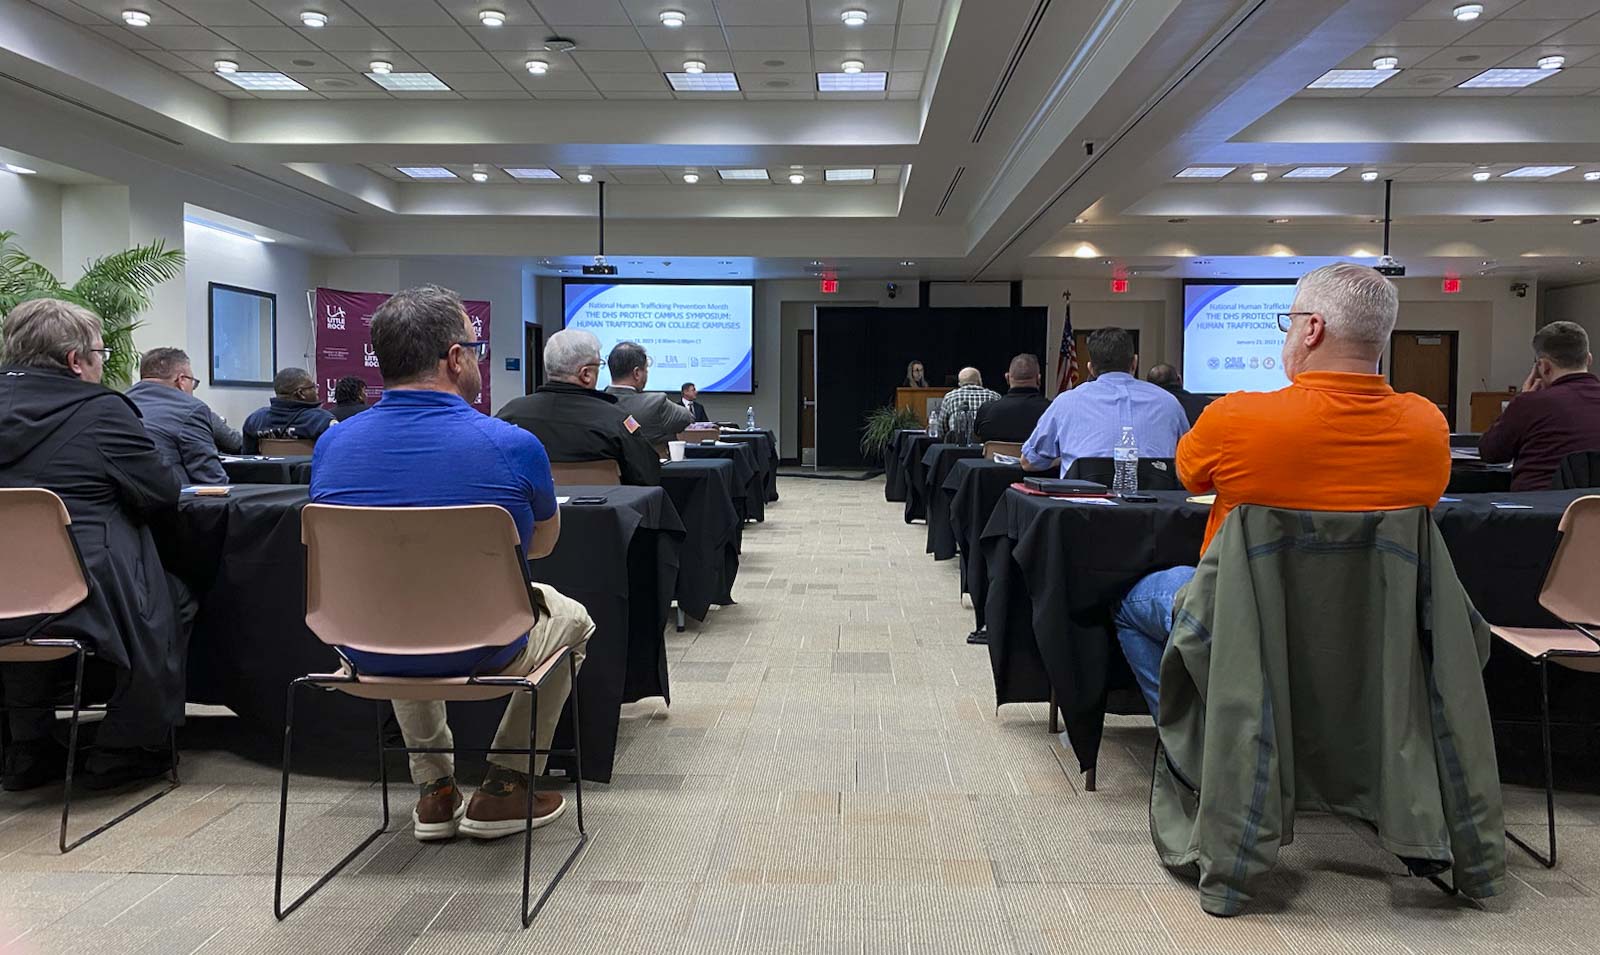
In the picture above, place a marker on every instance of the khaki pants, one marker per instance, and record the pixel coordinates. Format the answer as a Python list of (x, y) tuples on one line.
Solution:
[(562, 623)]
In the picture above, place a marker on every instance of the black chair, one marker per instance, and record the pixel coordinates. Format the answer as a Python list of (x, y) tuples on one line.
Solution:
[(1155, 474), (1580, 469)]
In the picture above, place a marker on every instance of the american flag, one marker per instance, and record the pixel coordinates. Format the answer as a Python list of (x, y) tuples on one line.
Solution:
[(1067, 370)]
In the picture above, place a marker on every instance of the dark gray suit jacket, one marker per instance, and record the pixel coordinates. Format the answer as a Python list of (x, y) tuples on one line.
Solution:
[(659, 419), (180, 425)]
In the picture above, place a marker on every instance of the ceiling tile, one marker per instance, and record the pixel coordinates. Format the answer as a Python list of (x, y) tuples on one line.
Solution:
[(1549, 10), (604, 38), (210, 81), (499, 80), (1424, 33), (359, 94), (555, 81), (160, 14), (1512, 32), (647, 13), (417, 39), (128, 38), (620, 61), (335, 82), (1587, 32), (905, 81), (72, 11), (645, 94), (459, 61), (914, 38), (228, 13), (771, 61), (236, 94), (1559, 90), (920, 11), (582, 12), (762, 13), (511, 36), (1430, 80), (314, 62), (496, 94), (780, 83), (183, 38), (880, 12), (568, 94), (348, 38), (360, 59), (287, 94), (402, 12), (910, 60), (259, 39), (768, 38), (288, 11), (688, 39), (876, 61), (519, 13), (617, 82), (1460, 57), (1585, 77), (1576, 55), (176, 61), (673, 62), (840, 37)]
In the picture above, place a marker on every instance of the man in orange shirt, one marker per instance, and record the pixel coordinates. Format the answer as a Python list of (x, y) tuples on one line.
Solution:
[(1337, 439)]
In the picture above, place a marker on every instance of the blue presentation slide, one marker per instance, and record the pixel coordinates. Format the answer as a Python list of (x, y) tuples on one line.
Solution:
[(693, 333), (1231, 340)]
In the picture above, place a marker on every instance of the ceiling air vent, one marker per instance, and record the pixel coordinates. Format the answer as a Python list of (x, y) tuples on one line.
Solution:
[(1015, 60), (950, 190)]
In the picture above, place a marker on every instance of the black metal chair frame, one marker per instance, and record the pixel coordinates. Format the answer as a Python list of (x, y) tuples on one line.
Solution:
[(1542, 661), (516, 685)]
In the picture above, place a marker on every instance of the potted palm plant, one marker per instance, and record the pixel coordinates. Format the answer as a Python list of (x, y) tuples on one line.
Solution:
[(116, 287), (881, 425)]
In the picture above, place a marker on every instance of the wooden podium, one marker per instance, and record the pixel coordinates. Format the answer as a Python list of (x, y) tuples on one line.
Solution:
[(1486, 407), (919, 400)]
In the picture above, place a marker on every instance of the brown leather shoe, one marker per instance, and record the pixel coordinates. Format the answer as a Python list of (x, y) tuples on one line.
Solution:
[(438, 811), (500, 806)]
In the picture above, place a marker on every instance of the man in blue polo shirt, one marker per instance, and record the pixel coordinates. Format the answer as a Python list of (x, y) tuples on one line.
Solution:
[(423, 445)]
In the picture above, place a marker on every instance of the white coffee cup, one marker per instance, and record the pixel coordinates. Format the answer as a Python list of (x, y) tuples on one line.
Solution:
[(675, 449)]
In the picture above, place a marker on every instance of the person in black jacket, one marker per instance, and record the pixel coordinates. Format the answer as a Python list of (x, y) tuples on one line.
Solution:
[(1018, 411), (62, 430), (575, 422), (292, 413), (1166, 376), (690, 398), (349, 397)]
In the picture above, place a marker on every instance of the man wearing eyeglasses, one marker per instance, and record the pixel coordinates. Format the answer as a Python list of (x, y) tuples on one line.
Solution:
[(295, 411), (660, 420), (178, 422)]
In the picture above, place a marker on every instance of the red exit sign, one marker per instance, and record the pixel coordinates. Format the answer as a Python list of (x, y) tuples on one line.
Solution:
[(1119, 286), (1452, 285), (830, 286)]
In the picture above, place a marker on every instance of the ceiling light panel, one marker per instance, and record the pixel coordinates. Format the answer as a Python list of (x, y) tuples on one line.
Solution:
[(1204, 172), (1350, 79), (852, 82), (848, 175), (1502, 78), (531, 172), (704, 82), (425, 172), (263, 82), (743, 175), (408, 82), (1314, 172), (1535, 172)]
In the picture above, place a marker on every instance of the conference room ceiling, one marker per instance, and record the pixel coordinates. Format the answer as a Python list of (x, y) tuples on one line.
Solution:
[(1013, 137)]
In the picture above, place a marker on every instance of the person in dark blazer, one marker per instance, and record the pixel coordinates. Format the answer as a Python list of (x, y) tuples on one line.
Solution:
[(349, 397), (690, 398), (1018, 411), (293, 412), (62, 430), (1166, 376), (660, 418), (178, 422)]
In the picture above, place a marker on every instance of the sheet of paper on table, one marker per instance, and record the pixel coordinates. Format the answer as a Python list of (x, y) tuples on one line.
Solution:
[(1511, 506), (999, 458), (1090, 500), (1464, 454), (562, 499), (1206, 499)]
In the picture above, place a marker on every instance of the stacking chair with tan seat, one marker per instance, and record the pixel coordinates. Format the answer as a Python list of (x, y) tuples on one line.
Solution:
[(285, 447), (423, 580), (42, 576), (1011, 449), (1569, 594), (604, 473)]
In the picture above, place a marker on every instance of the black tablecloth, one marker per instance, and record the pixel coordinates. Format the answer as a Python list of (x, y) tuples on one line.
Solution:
[(1057, 569), (241, 556), (766, 445), (936, 465), (751, 496), (702, 492), (914, 460), (894, 474), (975, 486), (1468, 477), (295, 469)]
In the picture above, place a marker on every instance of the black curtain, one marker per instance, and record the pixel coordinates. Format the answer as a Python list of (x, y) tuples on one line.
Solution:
[(862, 355)]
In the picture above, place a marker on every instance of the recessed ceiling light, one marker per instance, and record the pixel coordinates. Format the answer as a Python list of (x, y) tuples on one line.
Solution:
[(1585, 221), (796, 178), (381, 66), (1204, 172), (1467, 11), (847, 175), (852, 66), (907, 263), (691, 177), (136, 18), (530, 172), (1552, 62), (537, 67), (1350, 79), (752, 175), (1314, 172), (704, 82), (1259, 175), (854, 18), (1535, 172), (492, 18), (1502, 78), (1482, 175), (480, 177), (314, 20), (225, 66), (265, 82), (672, 18), (1369, 176), (1278, 221), (852, 82), (19, 170), (1386, 63), (694, 66), (1593, 176), (586, 177), (408, 82), (425, 172)]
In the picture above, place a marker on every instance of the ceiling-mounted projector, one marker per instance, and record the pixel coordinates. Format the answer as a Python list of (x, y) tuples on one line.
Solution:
[(1390, 266)]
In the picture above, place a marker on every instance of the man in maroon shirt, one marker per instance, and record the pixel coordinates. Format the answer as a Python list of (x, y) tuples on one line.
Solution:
[(1557, 413)]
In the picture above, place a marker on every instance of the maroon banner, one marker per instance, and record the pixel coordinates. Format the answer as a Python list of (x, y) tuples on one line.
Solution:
[(344, 341)]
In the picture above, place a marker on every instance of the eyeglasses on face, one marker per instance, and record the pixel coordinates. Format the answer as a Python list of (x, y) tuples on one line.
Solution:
[(481, 348), (1286, 320), (188, 378), (104, 353)]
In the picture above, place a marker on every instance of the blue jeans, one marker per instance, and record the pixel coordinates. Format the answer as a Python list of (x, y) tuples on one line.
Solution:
[(1144, 622)]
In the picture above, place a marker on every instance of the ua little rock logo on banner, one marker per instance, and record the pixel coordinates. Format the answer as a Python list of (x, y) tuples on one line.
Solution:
[(369, 358), (335, 318)]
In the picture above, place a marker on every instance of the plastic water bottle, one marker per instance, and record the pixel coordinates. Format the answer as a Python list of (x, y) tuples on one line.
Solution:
[(1125, 479), (750, 418)]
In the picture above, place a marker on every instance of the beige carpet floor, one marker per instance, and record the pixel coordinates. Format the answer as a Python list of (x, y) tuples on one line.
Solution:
[(832, 777)]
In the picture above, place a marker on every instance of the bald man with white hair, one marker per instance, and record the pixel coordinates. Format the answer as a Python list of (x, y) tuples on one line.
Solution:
[(957, 416)]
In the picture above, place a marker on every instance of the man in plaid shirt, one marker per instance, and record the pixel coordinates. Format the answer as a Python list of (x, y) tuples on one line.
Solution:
[(958, 412)]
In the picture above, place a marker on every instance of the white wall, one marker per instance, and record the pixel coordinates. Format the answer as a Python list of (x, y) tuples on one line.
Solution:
[(31, 208), (232, 260), (1154, 307), (1574, 303), (94, 224)]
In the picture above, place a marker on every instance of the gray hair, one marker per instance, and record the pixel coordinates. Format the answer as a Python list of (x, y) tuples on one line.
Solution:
[(1357, 304), (162, 363), (42, 332), (568, 351), (1566, 344), (970, 376), (413, 330)]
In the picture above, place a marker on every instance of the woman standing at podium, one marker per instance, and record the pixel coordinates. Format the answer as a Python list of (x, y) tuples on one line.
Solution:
[(915, 376)]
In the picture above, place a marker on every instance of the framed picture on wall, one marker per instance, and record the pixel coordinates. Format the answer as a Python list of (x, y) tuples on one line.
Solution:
[(243, 334)]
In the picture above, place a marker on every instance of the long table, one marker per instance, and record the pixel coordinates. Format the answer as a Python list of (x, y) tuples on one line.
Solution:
[(751, 498), (264, 469), (937, 463), (929, 453), (242, 557), (702, 492), (894, 474), (765, 444), (975, 486), (1056, 571)]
